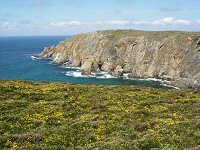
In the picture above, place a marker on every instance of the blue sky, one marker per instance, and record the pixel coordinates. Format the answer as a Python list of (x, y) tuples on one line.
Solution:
[(67, 17)]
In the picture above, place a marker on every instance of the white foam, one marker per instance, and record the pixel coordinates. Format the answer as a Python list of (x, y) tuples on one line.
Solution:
[(100, 75), (73, 74), (103, 75), (68, 67), (164, 82), (77, 74), (34, 58), (171, 86), (125, 76), (106, 75), (151, 79), (156, 80)]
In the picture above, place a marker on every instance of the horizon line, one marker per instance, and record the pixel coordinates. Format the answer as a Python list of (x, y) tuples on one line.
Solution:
[(101, 30)]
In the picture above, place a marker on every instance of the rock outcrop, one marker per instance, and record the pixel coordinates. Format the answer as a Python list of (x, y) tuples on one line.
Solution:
[(170, 55)]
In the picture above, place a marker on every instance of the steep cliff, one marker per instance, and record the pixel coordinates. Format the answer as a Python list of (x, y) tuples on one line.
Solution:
[(168, 55)]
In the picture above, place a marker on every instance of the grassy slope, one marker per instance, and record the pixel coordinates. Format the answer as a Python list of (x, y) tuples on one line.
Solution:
[(67, 116)]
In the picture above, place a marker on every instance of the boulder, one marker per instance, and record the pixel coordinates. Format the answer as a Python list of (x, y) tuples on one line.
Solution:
[(86, 68), (107, 66), (118, 72), (76, 63)]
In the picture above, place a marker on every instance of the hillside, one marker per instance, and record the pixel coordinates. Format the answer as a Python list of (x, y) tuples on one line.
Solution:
[(170, 55), (43, 115)]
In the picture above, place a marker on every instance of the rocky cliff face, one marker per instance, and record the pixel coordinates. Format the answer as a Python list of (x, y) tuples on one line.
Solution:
[(142, 54)]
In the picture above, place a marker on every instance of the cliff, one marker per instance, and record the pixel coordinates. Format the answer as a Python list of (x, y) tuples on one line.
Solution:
[(170, 55)]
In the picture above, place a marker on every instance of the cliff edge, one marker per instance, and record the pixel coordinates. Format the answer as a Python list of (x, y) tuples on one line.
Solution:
[(170, 55)]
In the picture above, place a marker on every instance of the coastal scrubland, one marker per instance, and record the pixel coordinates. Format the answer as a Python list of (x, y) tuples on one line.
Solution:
[(51, 115)]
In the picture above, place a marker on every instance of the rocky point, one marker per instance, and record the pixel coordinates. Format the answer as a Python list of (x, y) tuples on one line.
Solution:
[(169, 55)]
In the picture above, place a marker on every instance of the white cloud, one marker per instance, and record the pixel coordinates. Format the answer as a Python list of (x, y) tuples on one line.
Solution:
[(171, 21), (57, 24), (6, 25), (140, 22), (183, 22), (14, 26), (112, 23), (198, 21), (167, 21), (164, 21), (79, 23), (65, 24), (74, 23)]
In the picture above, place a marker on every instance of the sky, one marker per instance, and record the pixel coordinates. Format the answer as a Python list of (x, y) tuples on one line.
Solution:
[(68, 17)]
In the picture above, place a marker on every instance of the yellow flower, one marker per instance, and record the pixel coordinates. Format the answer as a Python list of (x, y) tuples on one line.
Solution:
[(43, 102), (8, 142), (15, 145), (100, 129), (58, 114)]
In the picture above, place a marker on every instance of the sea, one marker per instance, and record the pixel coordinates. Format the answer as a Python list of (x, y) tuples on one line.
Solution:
[(17, 63)]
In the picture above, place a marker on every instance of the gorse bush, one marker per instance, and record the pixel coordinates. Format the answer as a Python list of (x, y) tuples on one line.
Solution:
[(42, 115)]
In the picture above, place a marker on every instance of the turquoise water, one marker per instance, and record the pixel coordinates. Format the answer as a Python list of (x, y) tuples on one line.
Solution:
[(16, 63)]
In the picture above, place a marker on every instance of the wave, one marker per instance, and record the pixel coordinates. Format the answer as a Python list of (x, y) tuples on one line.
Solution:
[(163, 82), (125, 76), (71, 67), (105, 75), (68, 67), (34, 58), (78, 74), (155, 79), (174, 87)]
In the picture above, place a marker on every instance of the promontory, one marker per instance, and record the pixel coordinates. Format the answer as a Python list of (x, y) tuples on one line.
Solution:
[(169, 55)]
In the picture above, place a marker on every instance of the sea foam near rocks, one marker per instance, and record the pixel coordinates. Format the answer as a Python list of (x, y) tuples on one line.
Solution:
[(103, 75), (78, 74), (34, 58)]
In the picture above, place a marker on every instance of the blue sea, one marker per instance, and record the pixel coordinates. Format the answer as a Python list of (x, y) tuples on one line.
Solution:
[(16, 62)]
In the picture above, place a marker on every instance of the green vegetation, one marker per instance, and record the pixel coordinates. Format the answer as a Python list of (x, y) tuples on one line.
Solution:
[(42, 115)]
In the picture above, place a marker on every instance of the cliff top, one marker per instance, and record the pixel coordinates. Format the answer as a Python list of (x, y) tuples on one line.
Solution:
[(44, 115)]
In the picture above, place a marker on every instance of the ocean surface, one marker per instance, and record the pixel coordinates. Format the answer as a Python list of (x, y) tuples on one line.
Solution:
[(16, 62)]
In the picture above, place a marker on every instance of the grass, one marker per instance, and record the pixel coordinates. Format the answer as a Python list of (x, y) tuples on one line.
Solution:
[(42, 115)]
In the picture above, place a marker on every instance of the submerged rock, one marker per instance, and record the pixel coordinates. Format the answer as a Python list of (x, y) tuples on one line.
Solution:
[(142, 54)]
